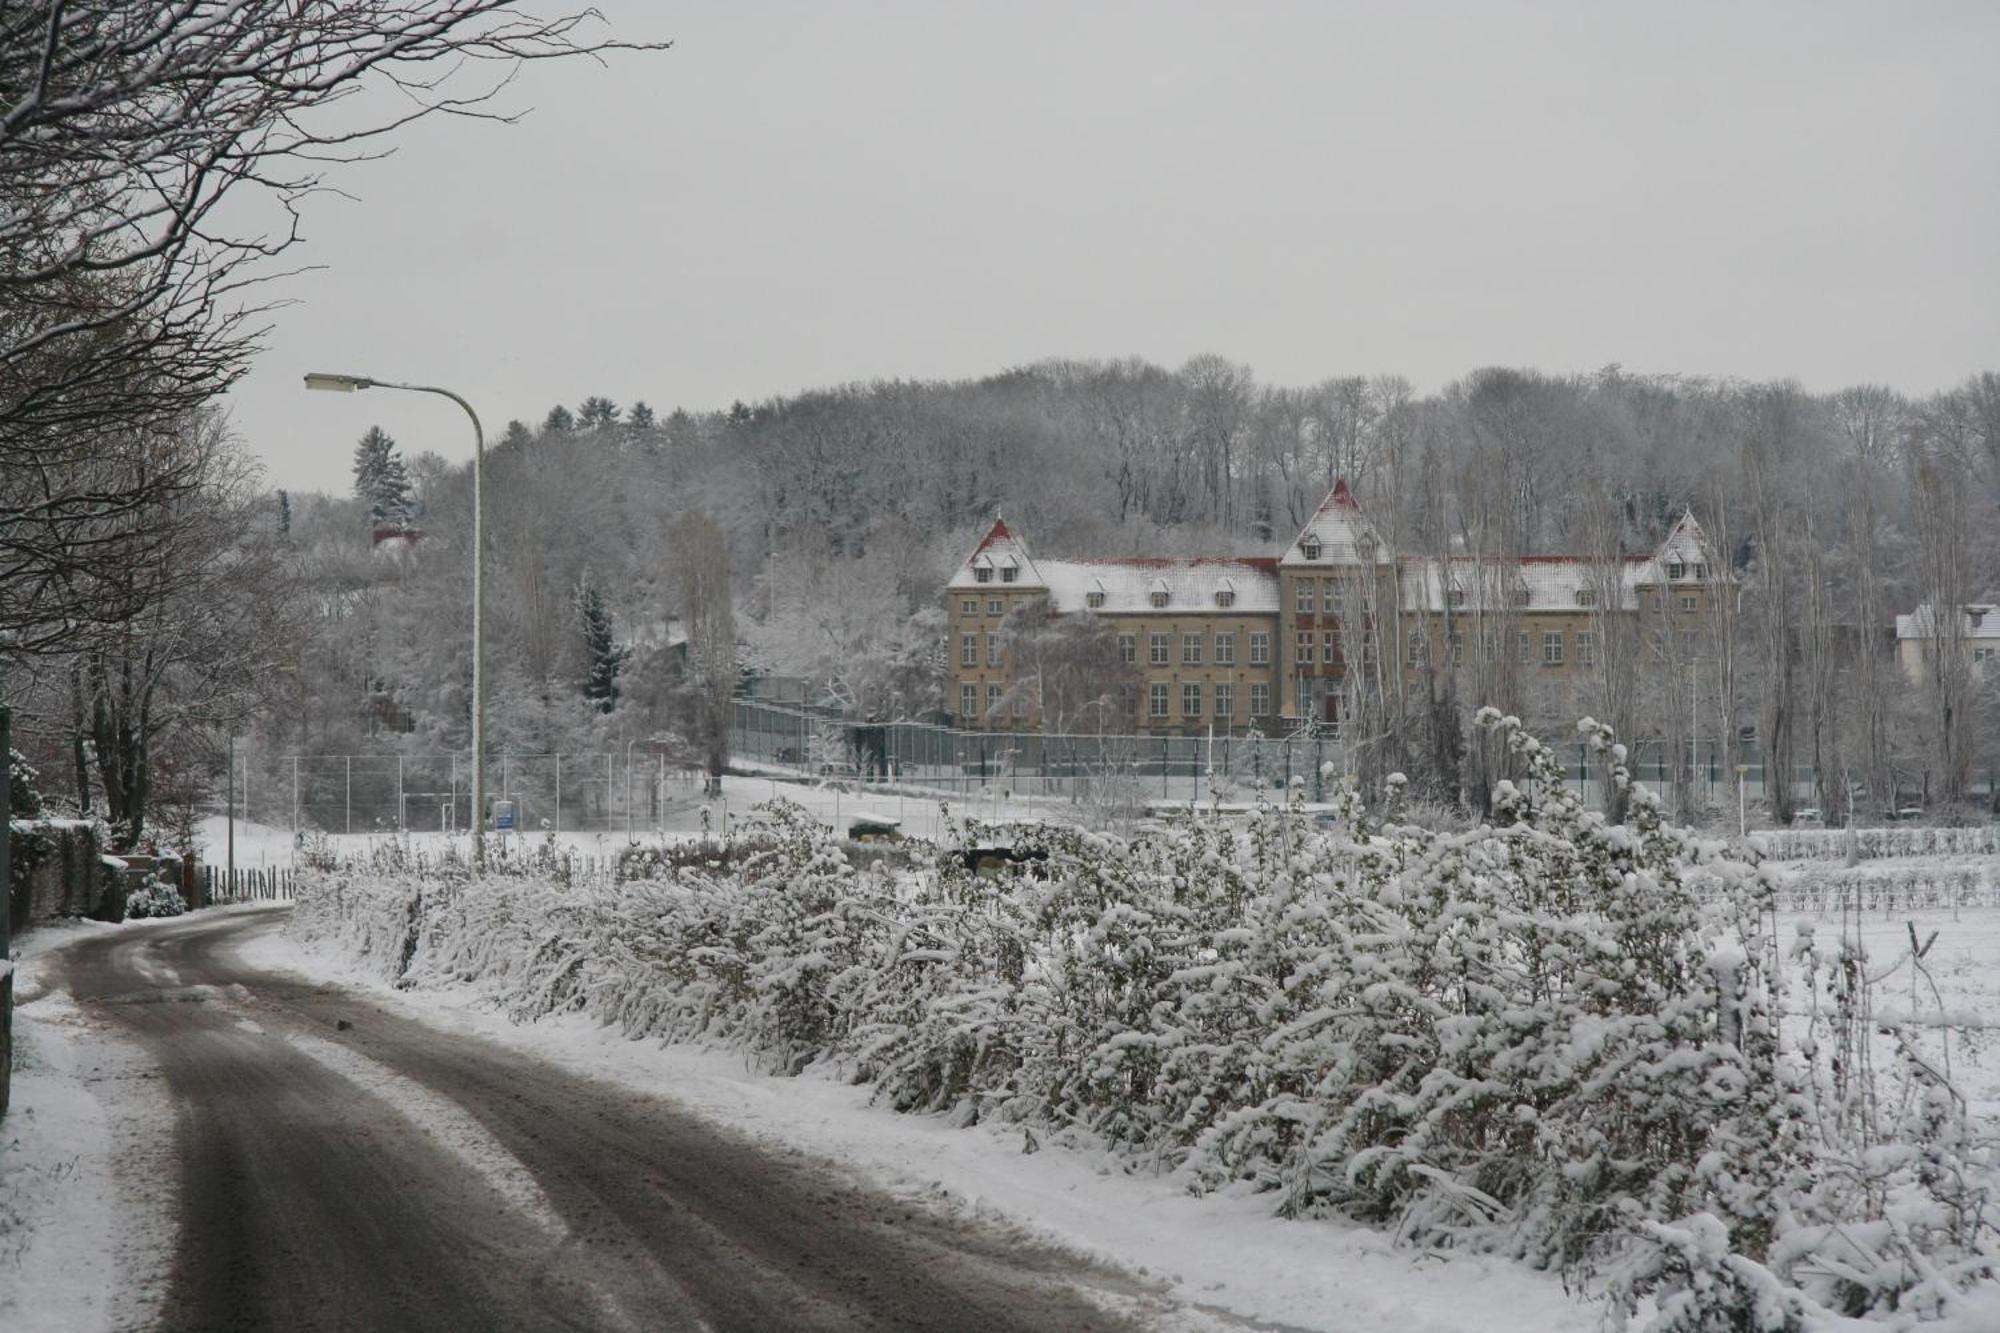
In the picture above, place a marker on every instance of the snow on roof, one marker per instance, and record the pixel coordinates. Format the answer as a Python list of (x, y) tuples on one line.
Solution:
[(1551, 582), (1190, 585), (1977, 620), (1341, 531), (999, 549)]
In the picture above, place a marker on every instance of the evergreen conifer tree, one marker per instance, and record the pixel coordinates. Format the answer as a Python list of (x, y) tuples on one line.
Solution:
[(596, 413), (284, 515), (602, 657), (640, 417), (558, 421), (381, 480)]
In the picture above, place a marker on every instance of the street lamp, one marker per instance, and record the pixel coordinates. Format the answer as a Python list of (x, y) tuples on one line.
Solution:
[(348, 384)]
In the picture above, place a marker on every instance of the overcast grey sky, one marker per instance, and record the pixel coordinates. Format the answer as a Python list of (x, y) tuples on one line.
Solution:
[(805, 194)]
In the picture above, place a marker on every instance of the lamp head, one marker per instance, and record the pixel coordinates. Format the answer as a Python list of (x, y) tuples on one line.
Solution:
[(338, 383)]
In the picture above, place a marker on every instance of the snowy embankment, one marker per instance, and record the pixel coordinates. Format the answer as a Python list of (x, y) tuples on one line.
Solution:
[(1558, 1040)]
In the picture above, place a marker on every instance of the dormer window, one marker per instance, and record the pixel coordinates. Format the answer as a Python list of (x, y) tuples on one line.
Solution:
[(1454, 597), (982, 573), (1676, 570), (1586, 597), (1522, 597), (1093, 600), (1309, 548), (1700, 572), (1225, 597), (1158, 599), (1010, 574)]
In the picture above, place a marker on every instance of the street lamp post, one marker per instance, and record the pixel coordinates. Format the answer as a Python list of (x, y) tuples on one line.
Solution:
[(350, 383)]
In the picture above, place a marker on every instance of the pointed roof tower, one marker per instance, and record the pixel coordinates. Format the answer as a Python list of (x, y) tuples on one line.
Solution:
[(1338, 533), (1000, 558)]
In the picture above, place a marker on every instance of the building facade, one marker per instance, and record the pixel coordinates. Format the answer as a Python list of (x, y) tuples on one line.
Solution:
[(1225, 644)]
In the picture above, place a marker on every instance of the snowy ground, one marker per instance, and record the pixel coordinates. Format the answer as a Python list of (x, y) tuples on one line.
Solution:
[(84, 1101), (86, 1164)]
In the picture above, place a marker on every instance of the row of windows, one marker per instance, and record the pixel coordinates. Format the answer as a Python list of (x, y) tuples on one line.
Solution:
[(1158, 697), (984, 573), (1157, 700), (1158, 647), (1158, 598), (969, 606)]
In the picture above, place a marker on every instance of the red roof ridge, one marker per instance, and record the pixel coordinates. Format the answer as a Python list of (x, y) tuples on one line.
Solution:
[(993, 534)]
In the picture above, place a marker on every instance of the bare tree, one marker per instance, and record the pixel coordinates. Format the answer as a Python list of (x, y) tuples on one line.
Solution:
[(700, 556)]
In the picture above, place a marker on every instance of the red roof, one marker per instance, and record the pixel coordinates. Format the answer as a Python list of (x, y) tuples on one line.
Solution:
[(993, 534), (1263, 564), (1342, 497)]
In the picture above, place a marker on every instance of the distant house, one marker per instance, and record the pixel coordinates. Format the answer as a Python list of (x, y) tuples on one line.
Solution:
[(1917, 635), (395, 541)]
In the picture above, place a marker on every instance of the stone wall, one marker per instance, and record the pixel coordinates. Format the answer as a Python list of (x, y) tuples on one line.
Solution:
[(60, 869)]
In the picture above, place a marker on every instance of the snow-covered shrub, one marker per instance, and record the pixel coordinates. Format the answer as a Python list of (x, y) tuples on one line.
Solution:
[(1550, 1034), (153, 898)]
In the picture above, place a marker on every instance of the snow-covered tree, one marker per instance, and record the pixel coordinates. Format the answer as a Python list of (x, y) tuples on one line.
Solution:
[(603, 658), (380, 480)]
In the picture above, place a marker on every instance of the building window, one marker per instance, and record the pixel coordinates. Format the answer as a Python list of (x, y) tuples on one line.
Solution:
[(968, 701), (1586, 647), (994, 606), (1260, 649), (1190, 700), (982, 574), (1522, 597), (1010, 574), (1157, 649), (1304, 654), (1190, 650), (1225, 650), (1128, 647), (968, 650), (969, 607), (993, 701), (1454, 597), (1521, 647), (1676, 570), (1415, 648), (1457, 643), (1021, 704), (1326, 647), (1367, 655), (1260, 700), (1156, 700), (1305, 597), (1226, 597), (1489, 644), (1225, 702), (1333, 596), (1093, 600), (1128, 701), (1700, 572), (1690, 602), (1586, 597), (1309, 548), (993, 650), (1158, 599), (1552, 647)]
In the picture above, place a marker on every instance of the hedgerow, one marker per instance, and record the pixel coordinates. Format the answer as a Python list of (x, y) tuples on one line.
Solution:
[(1577, 1042)]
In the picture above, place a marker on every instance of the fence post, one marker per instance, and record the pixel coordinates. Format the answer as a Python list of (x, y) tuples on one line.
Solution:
[(559, 792), (350, 793), (295, 801), (402, 810)]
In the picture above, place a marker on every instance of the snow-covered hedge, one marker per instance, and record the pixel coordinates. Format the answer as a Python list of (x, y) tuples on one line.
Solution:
[(1549, 1035), (1869, 844)]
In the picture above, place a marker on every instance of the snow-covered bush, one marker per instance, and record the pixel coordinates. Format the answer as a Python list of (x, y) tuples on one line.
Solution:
[(1549, 1035), (153, 898)]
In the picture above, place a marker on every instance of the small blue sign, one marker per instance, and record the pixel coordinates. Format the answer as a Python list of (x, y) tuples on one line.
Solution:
[(503, 815)]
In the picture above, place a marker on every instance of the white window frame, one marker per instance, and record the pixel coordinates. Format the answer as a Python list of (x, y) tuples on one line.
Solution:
[(1191, 695), (1260, 648), (1128, 648), (1156, 699), (1156, 649), (1225, 650), (1552, 647), (1191, 649), (1225, 701), (1260, 699), (968, 650)]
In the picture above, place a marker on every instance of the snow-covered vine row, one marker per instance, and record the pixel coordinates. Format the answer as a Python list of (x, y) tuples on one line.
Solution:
[(1551, 1035), (1891, 886), (1868, 844)]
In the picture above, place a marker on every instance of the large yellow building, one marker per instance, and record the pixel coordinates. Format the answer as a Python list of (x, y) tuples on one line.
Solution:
[(1224, 644)]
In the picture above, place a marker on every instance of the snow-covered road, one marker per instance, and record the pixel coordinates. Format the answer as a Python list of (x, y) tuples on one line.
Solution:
[(338, 1164)]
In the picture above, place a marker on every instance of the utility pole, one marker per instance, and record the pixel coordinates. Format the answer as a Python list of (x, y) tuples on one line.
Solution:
[(229, 879), (6, 911)]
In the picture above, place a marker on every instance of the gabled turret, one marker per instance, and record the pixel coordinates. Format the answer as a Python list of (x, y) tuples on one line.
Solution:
[(1000, 560), (1338, 533)]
